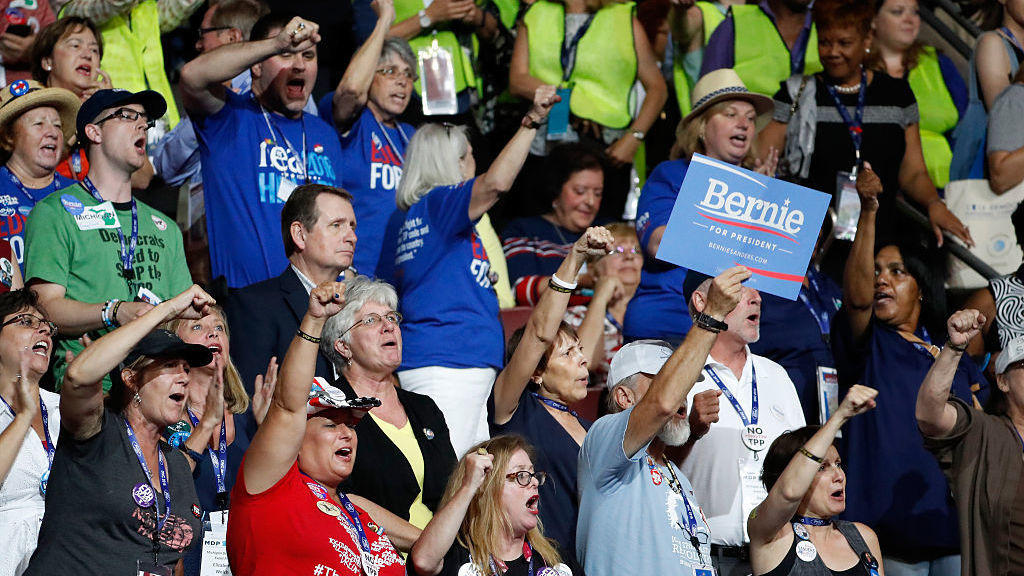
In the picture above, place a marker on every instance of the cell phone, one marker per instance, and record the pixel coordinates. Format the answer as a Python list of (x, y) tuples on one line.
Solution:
[(22, 30)]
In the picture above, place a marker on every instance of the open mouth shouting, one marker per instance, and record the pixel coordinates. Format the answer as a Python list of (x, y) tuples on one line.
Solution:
[(344, 453), (531, 504), (295, 88), (84, 69), (41, 348)]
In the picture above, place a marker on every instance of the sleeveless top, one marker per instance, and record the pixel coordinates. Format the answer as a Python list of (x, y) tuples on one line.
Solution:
[(800, 562), (1008, 293)]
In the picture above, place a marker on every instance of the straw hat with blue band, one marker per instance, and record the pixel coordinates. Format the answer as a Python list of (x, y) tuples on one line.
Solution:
[(21, 96), (724, 84)]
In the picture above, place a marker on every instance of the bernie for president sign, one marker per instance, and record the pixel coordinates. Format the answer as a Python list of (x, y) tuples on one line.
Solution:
[(725, 215)]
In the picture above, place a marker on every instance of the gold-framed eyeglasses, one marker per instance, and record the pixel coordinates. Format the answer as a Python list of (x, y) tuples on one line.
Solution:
[(372, 319)]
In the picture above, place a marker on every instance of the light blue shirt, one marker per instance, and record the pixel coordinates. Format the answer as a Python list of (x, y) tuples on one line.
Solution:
[(631, 521)]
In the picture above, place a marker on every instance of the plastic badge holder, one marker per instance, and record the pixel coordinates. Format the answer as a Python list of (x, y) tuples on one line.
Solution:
[(558, 117), (438, 81), (848, 207)]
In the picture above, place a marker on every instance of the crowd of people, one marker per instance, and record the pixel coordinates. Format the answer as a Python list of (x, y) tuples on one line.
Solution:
[(409, 317)]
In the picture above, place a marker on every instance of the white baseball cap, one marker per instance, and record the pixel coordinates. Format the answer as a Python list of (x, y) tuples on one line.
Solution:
[(646, 356), (1013, 352)]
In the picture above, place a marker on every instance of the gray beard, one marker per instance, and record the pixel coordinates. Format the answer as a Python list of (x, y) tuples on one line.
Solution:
[(675, 432)]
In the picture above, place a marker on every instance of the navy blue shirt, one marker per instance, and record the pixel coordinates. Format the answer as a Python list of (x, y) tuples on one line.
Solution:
[(893, 484), (557, 453), (658, 309)]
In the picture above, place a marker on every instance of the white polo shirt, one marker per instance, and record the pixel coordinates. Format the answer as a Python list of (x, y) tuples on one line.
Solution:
[(717, 460)]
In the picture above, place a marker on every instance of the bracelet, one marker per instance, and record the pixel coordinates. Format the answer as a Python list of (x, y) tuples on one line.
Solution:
[(530, 123), (557, 288), (105, 313), (807, 453), (307, 337), (195, 456), (960, 349), (113, 313), (561, 283)]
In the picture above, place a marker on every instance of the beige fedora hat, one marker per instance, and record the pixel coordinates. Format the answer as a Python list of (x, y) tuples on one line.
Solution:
[(724, 84), (23, 95)]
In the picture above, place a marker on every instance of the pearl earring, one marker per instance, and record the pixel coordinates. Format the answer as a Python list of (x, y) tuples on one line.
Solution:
[(137, 399)]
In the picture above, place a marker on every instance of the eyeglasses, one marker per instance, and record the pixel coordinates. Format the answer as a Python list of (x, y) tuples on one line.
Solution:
[(373, 318), (523, 477), (32, 321), (128, 114), (204, 31), (622, 250), (390, 72)]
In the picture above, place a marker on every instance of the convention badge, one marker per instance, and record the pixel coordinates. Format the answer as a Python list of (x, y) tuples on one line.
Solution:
[(285, 188), (146, 295), (801, 531), (752, 491), (150, 569), (558, 117), (428, 433), (6, 272), (328, 508), (143, 495), (215, 554), (847, 206), (437, 80), (368, 562), (828, 393), (754, 437), (806, 551), (96, 217), (219, 521)]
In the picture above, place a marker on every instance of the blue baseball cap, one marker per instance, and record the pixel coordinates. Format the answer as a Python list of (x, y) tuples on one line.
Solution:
[(152, 102)]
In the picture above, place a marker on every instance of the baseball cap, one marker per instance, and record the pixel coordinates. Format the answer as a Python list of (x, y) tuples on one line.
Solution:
[(646, 356), (1012, 352), (323, 396), (166, 344), (152, 102)]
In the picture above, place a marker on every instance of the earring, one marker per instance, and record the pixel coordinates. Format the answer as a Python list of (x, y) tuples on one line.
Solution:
[(47, 67), (137, 399)]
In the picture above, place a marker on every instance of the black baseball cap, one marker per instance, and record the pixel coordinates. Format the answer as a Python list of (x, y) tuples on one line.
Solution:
[(166, 344), (152, 102)]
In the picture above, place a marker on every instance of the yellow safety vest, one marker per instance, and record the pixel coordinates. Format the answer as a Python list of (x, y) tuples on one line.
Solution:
[(938, 114), (761, 58), (712, 17), (133, 57), (462, 57), (606, 63)]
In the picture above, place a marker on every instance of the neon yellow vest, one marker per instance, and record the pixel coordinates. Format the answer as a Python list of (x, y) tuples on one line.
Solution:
[(465, 75), (133, 56), (938, 115), (606, 64), (712, 17), (760, 56)]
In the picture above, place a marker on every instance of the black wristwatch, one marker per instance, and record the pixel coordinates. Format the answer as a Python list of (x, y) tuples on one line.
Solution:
[(709, 323)]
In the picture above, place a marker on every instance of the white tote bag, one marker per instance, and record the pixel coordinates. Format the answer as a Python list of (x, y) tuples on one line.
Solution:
[(988, 216)]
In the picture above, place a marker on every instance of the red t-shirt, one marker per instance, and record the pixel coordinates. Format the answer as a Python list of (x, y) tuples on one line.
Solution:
[(282, 531)]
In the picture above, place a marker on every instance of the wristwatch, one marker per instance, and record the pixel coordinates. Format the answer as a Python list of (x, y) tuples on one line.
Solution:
[(639, 135), (709, 323), (424, 19)]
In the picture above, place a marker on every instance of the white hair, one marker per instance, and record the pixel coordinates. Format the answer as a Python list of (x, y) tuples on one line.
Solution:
[(431, 160), (358, 292)]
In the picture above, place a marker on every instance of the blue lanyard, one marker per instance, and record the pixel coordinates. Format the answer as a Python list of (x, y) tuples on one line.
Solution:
[(691, 518), (49, 446), (569, 49), (608, 316), (219, 459), (854, 125), (735, 403), (818, 310), (162, 467), (127, 253), (384, 131), (555, 404), (811, 521), (350, 513), (24, 190)]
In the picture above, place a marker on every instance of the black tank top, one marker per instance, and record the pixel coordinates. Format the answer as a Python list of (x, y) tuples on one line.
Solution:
[(794, 565)]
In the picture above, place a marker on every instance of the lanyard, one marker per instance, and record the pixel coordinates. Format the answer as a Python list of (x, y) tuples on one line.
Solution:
[(219, 459), (498, 567), (127, 253), (811, 521), (47, 443), (555, 404), (164, 484), (818, 310), (569, 49), (271, 125), (383, 130), (52, 187), (691, 518), (736, 403), (350, 513), (608, 316), (1013, 39), (854, 125)]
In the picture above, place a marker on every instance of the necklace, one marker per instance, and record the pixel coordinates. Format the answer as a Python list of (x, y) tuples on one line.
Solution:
[(848, 89)]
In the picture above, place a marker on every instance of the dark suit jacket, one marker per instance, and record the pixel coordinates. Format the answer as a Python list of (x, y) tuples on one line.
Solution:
[(263, 318), (381, 473)]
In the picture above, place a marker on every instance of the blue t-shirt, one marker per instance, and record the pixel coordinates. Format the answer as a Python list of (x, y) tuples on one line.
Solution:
[(557, 453), (631, 521), (243, 163), (441, 272), (16, 201), (658, 309), (893, 484), (797, 338), (371, 160)]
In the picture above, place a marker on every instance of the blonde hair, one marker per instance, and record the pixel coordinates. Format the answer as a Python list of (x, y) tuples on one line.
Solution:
[(486, 520), (690, 136), (236, 400), (431, 160)]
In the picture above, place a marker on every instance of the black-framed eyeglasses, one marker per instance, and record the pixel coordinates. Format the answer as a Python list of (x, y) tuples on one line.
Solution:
[(523, 477), (204, 31), (128, 114), (373, 318), (32, 321), (392, 71)]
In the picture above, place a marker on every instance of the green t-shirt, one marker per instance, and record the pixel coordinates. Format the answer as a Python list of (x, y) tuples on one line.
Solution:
[(71, 240)]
